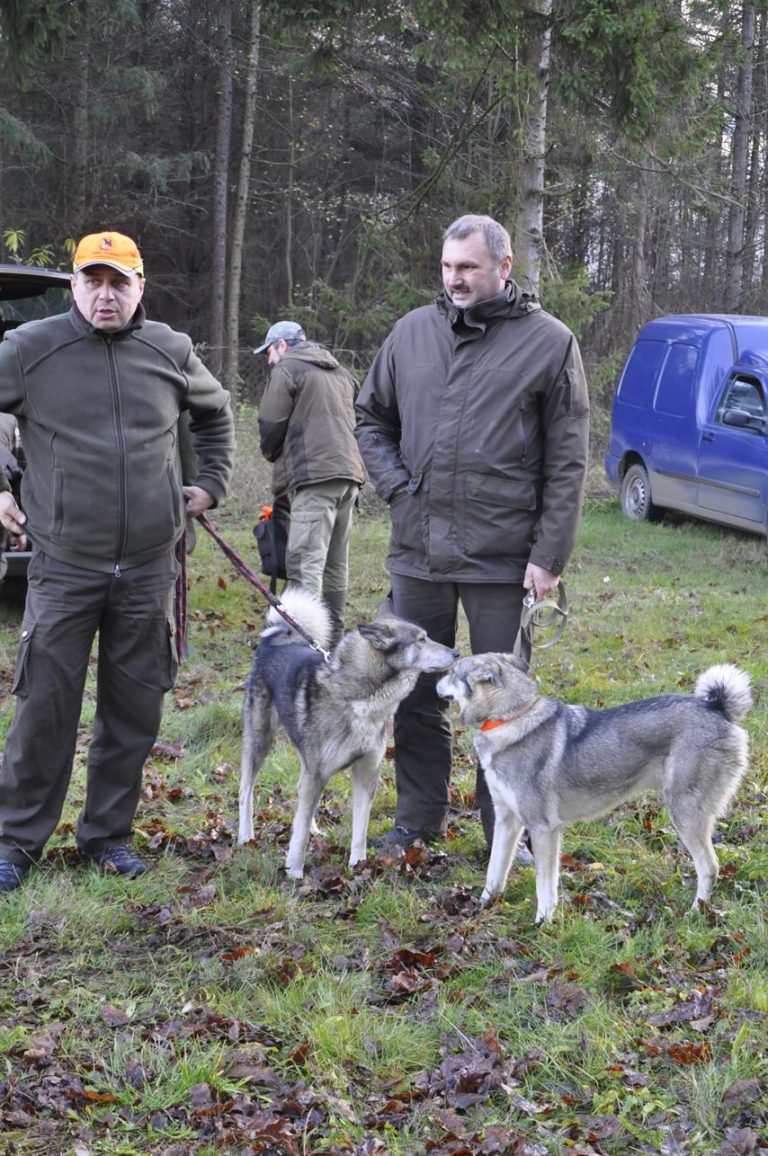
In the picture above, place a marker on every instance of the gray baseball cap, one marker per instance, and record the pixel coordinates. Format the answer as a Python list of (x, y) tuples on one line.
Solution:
[(287, 330)]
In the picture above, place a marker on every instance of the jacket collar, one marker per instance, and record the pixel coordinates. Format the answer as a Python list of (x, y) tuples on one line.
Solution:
[(312, 353), (511, 303)]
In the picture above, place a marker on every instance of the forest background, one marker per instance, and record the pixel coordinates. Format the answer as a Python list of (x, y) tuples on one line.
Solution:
[(301, 159)]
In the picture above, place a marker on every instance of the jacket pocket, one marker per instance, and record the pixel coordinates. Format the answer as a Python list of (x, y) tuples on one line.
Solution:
[(406, 514), (57, 502), (177, 498), (20, 682), (499, 515)]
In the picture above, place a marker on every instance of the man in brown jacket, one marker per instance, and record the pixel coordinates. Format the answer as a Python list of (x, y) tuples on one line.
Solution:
[(473, 425), (306, 429)]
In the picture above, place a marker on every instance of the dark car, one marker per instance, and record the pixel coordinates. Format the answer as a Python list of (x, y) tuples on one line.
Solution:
[(689, 430), (26, 293)]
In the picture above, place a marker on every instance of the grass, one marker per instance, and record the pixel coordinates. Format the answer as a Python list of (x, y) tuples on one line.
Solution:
[(210, 1006)]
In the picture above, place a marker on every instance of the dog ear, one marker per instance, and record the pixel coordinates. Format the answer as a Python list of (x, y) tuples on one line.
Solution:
[(518, 663), (377, 633), (490, 675)]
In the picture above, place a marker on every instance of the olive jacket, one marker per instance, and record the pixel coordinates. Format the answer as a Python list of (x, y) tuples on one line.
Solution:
[(482, 415), (98, 415), (307, 421)]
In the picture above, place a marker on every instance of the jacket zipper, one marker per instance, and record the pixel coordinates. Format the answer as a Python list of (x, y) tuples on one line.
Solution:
[(121, 454)]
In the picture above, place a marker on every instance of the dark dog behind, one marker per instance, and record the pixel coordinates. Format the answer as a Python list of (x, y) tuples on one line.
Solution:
[(548, 764), (335, 713)]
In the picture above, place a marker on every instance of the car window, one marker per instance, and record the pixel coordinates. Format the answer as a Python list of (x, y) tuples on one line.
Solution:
[(745, 395), (51, 300), (639, 377), (676, 381)]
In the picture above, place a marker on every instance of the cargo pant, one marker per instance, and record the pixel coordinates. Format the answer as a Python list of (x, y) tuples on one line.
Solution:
[(317, 553), (66, 608), (422, 730)]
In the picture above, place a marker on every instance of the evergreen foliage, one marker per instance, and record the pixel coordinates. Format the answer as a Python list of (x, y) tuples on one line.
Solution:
[(376, 125)]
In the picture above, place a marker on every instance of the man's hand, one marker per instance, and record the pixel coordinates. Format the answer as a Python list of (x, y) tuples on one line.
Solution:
[(198, 500), (542, 581), (13, 518)]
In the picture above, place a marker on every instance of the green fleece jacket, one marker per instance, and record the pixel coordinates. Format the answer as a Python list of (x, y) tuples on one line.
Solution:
[(307, 421), (98, 415)]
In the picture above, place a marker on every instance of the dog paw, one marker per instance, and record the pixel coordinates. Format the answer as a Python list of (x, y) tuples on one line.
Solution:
[(295, 872), (487, 898)]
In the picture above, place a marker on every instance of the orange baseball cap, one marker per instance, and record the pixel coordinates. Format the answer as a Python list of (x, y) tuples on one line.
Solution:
[(112, 249)]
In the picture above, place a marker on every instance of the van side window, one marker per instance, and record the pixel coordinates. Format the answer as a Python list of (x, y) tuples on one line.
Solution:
[(743, 405), (676, 381), (639, 376)]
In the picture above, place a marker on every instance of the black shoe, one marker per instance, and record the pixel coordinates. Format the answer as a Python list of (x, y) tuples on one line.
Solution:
[(403, 837), (116, 860), (11, 875)]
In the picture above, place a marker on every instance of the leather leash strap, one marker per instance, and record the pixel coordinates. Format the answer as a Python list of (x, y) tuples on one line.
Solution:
[(249, 576)]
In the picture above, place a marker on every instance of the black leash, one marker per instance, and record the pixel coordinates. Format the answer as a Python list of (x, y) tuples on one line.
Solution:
[(249, 576)]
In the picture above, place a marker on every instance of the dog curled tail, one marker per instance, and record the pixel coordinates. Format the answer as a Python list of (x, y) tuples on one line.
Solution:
[(727, 689), (310, 612)]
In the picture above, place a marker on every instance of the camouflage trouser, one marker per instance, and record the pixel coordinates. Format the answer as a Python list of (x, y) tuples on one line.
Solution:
[(66, 607), (423, 747)]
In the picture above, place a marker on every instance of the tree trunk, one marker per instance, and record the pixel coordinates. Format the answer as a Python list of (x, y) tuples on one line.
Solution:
[(711, 280), (762, 98), (638, 305), (229, 376), (78, 205), (289, 202), (734, 266), (530, 232), (220, 189), (752, 216)]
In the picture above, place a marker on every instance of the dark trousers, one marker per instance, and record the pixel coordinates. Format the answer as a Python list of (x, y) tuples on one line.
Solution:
[(66, 607), (423, 747)]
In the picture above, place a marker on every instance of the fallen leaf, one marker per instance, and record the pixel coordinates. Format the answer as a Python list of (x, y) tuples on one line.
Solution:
[(114, 1016)]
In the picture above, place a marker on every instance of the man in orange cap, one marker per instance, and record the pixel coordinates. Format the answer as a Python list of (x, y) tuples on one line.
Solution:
[(98, 393)]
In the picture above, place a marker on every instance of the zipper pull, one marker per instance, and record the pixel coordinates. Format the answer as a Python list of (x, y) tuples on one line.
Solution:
[(116, 571)]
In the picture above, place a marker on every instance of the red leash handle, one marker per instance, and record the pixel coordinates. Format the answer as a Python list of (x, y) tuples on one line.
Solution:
[(249, 576)]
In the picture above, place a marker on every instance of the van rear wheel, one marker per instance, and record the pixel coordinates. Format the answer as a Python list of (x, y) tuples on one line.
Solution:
[(636, 496)]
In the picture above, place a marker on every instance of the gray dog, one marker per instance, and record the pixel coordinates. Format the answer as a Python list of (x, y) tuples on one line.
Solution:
[(335, 713), (548, 764)]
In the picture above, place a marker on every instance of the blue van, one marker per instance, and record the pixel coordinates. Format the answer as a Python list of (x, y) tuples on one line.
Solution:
[(689, 429)]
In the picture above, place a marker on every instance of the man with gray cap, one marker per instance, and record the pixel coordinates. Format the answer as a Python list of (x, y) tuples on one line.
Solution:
[(306, 429), (98, 393)]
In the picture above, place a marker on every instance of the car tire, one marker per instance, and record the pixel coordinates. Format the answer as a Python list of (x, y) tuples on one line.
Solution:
[(636, 501)]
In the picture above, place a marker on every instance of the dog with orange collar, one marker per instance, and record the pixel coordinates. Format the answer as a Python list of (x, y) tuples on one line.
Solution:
[(548, 763)]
